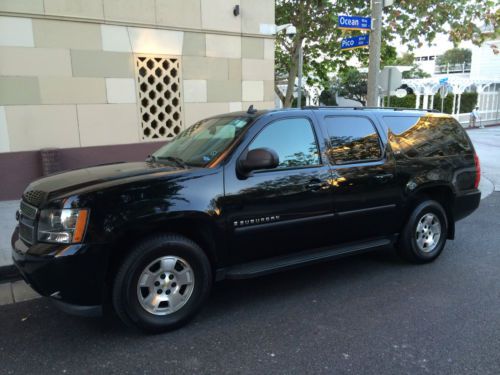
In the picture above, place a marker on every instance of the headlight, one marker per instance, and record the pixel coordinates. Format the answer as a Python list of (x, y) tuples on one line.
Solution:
[(62, 226)]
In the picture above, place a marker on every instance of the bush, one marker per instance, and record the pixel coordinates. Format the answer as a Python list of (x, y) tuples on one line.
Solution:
[(467, 102), (302, 101), (328, 97)]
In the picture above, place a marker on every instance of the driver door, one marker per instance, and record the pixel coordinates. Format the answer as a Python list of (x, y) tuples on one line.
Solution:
[(282, 210)]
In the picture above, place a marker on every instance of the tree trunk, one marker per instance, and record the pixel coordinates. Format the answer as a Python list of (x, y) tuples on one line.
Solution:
[(278, 91), (292, 73)]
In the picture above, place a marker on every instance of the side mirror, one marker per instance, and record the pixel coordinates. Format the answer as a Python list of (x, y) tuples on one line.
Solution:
[(260, 158)]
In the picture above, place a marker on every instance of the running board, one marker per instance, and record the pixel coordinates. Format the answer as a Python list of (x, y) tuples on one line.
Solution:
[(281, 263)]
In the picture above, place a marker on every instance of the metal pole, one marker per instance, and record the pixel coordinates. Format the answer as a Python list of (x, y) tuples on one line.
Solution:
[(375, 42), (389, 76), (498, 102), (299, 94)]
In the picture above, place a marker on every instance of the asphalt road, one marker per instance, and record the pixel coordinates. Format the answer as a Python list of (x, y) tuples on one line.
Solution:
[(369, 314)]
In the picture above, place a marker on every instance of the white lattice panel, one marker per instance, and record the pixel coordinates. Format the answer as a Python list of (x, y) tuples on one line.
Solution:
[(159, 85)]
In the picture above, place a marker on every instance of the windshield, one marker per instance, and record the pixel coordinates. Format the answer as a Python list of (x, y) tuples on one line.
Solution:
[(201, 143)]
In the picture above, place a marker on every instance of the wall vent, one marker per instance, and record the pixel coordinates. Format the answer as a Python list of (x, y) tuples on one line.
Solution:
[(160, 105)]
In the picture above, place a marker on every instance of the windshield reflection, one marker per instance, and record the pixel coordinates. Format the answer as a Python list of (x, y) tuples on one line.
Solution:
[(203, 142)]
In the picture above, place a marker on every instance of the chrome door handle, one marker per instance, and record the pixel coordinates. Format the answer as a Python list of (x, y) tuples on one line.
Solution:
[(384, 176)]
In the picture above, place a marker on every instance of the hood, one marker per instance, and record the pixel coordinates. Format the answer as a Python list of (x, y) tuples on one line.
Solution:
[(77, 179)]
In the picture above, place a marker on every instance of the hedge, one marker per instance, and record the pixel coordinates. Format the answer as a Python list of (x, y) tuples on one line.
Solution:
[(467, 103)]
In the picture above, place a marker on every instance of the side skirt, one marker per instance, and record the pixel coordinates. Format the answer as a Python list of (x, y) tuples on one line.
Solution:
[(303, 258)]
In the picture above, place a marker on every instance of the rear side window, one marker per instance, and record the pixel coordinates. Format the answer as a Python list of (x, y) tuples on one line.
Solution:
[(293, 140), (426, 136), (352, 139)]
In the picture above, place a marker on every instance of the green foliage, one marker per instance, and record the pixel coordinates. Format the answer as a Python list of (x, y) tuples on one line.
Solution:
[(389, 57), (455, 56), (467, 102), (407, 59), (351, 84), (407, 102), (415, 22), (415, 72), (328, 97), (302, 100)]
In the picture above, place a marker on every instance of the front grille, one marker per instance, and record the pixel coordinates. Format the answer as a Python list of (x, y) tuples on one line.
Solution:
[(27, 222), (28, 210), (26, 232), (34, 197)]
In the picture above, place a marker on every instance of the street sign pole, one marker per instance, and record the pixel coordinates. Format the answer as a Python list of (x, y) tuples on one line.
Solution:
[(375, 42)]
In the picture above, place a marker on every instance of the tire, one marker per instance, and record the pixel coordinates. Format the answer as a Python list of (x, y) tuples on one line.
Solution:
[(170, 295), (424, 246)]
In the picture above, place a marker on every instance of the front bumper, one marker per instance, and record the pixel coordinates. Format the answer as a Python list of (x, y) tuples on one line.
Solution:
[(71, 274)]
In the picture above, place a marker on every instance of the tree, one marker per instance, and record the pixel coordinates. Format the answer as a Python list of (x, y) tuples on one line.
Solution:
[(415, 22), (455, 56), (352, 84), (328, 96), (415, 72)]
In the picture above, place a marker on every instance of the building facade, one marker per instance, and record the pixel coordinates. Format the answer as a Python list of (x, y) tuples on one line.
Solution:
[(109, 80)]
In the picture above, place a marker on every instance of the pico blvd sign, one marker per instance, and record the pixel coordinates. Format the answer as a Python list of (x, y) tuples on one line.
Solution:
[(354, 23), (359, 41)]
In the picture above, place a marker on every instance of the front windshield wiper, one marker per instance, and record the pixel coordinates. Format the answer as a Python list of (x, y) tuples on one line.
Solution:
[(181, 163)]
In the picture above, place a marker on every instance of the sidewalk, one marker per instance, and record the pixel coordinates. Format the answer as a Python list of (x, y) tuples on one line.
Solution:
[(17, 291), (487, 144)]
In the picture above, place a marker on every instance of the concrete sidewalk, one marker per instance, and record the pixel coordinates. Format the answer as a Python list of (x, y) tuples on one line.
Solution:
[(487, 144), (17, 291)]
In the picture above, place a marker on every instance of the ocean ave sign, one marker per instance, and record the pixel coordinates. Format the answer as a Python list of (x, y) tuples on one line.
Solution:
[(359, 41), (354, 23)]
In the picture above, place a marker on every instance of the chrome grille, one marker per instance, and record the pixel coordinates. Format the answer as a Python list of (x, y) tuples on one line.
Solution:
[(26, 232), (34, 197), (28, 210)]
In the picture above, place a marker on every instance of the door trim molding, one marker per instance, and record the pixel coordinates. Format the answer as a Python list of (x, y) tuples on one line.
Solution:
[(365, 210)]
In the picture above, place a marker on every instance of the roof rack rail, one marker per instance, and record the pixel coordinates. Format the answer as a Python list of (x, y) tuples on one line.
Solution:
[(363, 108)]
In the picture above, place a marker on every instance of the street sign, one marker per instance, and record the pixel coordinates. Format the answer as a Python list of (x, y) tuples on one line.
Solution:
[(354, 23), (401, 93), (359, 41), (443, 81), (390, 79), (444, 91)]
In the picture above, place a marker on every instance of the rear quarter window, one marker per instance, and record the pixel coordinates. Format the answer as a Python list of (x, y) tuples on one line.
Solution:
[(426, 136)]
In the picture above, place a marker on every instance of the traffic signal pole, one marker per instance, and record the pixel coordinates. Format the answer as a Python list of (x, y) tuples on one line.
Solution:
[(375, 46)]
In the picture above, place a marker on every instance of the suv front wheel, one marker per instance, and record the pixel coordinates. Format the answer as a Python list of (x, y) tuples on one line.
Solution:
[(162, 283), (424, 236)]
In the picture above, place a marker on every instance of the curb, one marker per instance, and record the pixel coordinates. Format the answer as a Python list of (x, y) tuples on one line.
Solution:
[(9, 273)]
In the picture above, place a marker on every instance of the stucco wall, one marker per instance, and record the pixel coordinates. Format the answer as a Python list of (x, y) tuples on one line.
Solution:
[(67, 67)]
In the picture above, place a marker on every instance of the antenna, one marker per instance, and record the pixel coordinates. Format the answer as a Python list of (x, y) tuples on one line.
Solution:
[(251, 110)]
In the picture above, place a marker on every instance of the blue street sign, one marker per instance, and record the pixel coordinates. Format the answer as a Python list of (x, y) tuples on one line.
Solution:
[(355, 42), (443, 81), (354, 23)]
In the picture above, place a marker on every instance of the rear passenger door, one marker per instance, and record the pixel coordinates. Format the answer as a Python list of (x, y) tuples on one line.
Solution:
[(365, 194)]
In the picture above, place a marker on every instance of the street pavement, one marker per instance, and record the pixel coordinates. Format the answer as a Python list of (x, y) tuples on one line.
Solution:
[(487, 145), (368, 314)]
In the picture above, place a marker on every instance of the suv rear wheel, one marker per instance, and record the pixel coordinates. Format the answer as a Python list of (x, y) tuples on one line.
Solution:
[(162, 283), (424, 235)]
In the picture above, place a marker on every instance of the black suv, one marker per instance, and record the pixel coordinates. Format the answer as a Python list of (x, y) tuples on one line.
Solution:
[(242, 195)]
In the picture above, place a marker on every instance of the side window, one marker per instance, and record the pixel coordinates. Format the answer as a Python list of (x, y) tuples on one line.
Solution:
[(352, 139), (426, 136), (294, 141)]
